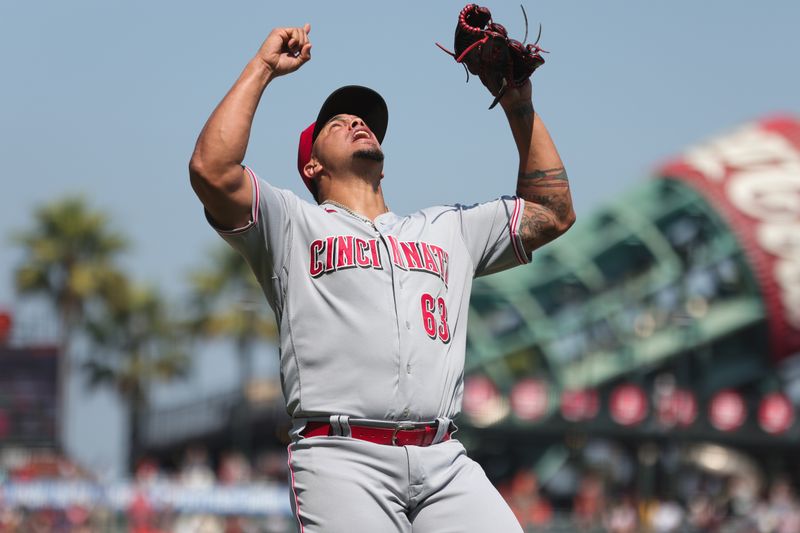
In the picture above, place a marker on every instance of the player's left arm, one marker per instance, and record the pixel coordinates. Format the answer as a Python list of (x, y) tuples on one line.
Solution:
[(542, 180)]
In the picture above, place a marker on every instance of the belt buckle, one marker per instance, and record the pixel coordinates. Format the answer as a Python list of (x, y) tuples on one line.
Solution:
[(401, 426)]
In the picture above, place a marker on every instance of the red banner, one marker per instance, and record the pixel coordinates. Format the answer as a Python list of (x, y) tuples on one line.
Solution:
[(628, 404), (579, 405), (530, 399), (752, 176), (775, 413), (479, 392), (727, 410)]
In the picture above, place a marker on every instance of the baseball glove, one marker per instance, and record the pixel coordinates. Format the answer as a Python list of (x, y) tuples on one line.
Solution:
[(485, 50)]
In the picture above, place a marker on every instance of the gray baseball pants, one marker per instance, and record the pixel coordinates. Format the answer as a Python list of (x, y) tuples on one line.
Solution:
[(344, 485)]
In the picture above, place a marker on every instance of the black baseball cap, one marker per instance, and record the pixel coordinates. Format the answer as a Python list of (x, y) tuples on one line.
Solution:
[(355, 100), (352, 100)]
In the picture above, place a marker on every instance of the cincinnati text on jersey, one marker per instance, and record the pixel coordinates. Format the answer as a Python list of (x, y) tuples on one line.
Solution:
[(341, 252)]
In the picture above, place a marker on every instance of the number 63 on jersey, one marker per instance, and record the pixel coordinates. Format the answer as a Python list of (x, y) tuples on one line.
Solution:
[(434, 317)]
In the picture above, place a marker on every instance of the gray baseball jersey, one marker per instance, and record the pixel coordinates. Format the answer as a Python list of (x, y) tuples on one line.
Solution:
[(372, 318), (373, 315)]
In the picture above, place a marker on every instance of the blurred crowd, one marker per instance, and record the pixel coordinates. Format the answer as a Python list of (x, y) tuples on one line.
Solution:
[(722, 506), (729, 504), (206, 497)]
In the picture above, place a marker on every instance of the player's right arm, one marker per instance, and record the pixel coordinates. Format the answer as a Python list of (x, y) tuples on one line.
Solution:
[(215, 169)]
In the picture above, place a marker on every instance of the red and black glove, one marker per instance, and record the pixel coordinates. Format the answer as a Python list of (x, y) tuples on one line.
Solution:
[(485, 50)]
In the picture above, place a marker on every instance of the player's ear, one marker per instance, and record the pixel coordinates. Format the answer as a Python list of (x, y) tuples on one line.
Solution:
[(312, 168)]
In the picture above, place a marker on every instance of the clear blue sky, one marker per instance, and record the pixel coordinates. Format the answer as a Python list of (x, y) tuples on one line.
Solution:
[(107, 98)]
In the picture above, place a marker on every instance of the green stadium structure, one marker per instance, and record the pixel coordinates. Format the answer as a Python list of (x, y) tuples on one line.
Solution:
[(676, 305), (678, 300)]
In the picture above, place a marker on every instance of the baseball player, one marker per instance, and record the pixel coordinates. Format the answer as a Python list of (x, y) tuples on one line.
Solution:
[(372, 306)]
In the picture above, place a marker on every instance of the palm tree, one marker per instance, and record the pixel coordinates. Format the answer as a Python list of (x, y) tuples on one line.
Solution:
[(70, 252), (228, 302), (135, 343)]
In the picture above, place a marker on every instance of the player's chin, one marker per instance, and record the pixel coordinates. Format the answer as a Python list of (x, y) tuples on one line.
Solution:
[(369, 154)]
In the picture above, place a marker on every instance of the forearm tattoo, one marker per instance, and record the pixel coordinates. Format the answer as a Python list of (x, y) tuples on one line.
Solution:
[(548, 177), (548, 205), (538, 226), (556, 203)]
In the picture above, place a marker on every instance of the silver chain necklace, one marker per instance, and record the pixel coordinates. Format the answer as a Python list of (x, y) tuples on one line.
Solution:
[(357, 215)]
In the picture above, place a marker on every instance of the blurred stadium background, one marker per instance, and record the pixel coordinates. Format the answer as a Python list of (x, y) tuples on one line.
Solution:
[(643, 374)]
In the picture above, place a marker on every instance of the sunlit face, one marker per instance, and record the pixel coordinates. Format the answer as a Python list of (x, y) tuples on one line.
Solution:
[(346, 138)]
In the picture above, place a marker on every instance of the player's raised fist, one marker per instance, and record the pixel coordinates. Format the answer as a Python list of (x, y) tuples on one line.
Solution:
[(286, 49)]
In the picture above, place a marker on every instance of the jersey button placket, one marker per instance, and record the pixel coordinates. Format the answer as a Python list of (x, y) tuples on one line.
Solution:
[(381, 230)]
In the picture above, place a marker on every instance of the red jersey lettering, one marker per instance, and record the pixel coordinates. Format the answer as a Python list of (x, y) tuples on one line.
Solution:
[(442, 257), (341, 252), (397, 257), (331, 248), (411, 253), (316, 267), (376, 254), (427, 256), (344, 252), (361, 253)]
